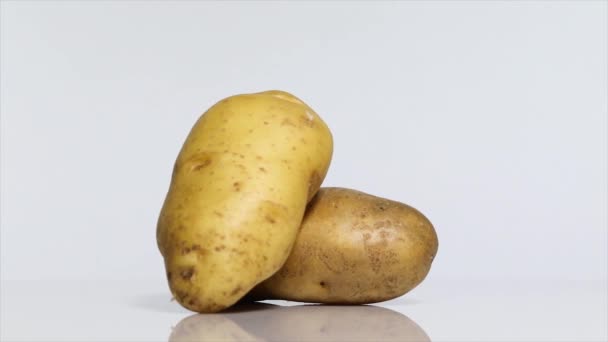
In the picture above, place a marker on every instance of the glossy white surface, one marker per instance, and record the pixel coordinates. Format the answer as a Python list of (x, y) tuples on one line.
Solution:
[(439, 310)]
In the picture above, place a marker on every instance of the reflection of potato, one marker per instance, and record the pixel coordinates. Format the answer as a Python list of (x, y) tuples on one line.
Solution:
[(216, 328), (354, 248), (238, 194), (300, 323)]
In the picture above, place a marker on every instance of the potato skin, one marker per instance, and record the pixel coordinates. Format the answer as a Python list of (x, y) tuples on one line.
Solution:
[(238, 192), (354, 248)]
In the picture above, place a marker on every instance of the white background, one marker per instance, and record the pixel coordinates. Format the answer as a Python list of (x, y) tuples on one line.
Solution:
[(488, 116)]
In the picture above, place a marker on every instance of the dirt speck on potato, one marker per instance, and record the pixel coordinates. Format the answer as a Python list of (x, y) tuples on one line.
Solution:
[(199, 161), (236, 290), (187, 273)]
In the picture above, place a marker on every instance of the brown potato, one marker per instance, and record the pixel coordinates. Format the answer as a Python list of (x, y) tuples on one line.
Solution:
[(354, 248)]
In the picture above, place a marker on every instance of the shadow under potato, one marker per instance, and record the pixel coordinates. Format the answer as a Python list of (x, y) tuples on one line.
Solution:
[(266, 322), (164, 303)]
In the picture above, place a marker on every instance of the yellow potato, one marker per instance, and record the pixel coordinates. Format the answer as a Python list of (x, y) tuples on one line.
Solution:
[(264, 322), (354, 248), (237, 196)]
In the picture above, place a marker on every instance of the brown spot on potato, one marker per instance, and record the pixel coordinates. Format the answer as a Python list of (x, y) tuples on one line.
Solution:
[(322, 284), (272, 211), (200, 252), (239, 252), (185, 251), (236, 290), (169, 276), (187, 273), (218, 214), (374, 253), (220, 248), (262, 169), (199, 161), (307, 120), (287, 122), (265, 122), (383, 224), (237, 186), (284, 272)]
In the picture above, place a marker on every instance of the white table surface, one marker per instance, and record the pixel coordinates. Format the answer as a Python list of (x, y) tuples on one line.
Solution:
[(438, 310)]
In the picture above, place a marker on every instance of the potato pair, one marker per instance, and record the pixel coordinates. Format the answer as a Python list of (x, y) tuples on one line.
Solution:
[(238, 194)]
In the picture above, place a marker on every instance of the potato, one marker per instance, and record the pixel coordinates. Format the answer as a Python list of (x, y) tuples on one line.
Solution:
[(238, 192), (264, 322), (354, 248)]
